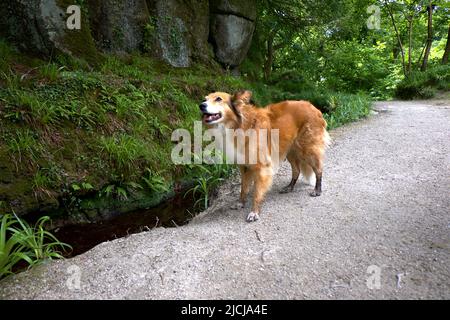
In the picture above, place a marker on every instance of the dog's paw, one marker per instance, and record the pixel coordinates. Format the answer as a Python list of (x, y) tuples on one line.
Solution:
[(315, 193), (252, 216)]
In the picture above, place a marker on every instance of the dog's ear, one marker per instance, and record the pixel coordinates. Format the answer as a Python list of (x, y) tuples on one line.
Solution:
[(243, 96)]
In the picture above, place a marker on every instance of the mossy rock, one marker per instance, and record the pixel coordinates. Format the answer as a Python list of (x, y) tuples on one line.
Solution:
[(40, 27)]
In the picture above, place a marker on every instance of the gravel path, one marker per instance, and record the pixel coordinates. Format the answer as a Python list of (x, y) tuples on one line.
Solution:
[(381, 229)]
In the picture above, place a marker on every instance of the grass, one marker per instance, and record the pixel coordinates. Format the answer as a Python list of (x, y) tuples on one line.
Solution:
[(424, 85), (51, 71), (26, 244), (208, 178), (346, 108), (23, 144), (124, 151)]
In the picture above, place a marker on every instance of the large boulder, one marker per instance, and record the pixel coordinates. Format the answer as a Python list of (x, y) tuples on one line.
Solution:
[(39, 26), (179, 30), (118, 26), (232, 27), (245, 9)]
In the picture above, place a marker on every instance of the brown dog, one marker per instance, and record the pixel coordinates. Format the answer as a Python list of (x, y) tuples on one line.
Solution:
[(302, 139)]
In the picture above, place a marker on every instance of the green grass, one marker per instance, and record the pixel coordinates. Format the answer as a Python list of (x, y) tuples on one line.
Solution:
[(346, 108), (123, 150), (23, 145), (26, 244), (208, 178), (424, 85), (51, 71)]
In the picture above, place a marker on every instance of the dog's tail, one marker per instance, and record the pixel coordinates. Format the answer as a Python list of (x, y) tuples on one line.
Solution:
[(306, 170)]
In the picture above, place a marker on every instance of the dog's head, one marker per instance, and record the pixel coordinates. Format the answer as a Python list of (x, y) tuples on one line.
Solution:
[(221, 107)]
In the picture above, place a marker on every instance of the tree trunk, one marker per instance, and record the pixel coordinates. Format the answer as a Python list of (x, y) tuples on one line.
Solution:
[(418, 62), (399, 39), (410, 28), (269, 58), (429, 38), (447, 49)]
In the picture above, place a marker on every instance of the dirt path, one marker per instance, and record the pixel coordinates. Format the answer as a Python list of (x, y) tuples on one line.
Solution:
[(385, 209)]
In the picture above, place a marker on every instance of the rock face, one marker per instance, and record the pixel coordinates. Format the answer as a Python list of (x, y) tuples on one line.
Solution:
[(232, 27), (118, 26), (231, 37), (180, 32), (40, 27), (239, 8)]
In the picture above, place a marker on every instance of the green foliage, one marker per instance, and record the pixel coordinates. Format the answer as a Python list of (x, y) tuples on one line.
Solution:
[(346, 108), (155, 182), (424, 85), (51, 71), (23, 243), (23, 144), (41, 181), (123, 150), (5, 54), (208, 179)]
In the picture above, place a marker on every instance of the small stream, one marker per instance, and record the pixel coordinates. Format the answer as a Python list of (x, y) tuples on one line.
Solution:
[(83, 237)]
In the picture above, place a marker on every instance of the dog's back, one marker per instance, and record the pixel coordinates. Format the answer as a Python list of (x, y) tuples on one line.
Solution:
[(303, 140), (301, 125)]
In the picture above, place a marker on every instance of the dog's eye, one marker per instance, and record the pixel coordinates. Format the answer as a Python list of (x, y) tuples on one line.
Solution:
[(218, 99)]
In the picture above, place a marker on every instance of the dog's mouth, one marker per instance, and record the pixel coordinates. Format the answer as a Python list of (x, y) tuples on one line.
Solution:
[(211, 117)]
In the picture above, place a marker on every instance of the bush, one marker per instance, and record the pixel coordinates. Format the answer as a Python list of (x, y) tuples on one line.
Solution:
[(424, 85)]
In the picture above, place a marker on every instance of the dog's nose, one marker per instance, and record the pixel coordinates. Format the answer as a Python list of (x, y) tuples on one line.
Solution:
[(203, 106)]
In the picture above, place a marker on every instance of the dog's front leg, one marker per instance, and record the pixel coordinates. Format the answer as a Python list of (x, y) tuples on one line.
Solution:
[(263, 181), (246, 184)]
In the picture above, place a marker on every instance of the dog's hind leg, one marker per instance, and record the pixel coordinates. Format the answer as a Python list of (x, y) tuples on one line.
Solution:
[(263, 181), (295, 166), (316, 162)]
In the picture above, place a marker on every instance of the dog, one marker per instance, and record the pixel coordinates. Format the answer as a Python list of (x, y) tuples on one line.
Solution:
[(302, 140)]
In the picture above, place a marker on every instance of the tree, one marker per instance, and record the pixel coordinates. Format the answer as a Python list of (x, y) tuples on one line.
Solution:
[(429, 37), (397, 33), (447, 48)]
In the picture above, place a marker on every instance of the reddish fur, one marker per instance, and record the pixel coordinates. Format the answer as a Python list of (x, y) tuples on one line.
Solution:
[(302, 138)]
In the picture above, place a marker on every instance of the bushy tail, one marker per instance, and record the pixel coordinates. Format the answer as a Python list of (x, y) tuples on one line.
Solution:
[(306, 170)]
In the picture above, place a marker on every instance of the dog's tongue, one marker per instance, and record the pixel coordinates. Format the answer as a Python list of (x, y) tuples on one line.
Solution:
[(210, 117)]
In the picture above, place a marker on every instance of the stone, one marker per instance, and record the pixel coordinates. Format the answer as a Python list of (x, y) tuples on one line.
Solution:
[(180, 31), (118, 26), (231, 36), (245, 9), (39, 27)]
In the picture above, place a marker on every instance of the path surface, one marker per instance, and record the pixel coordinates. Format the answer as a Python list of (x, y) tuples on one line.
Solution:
[(386, 204)]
